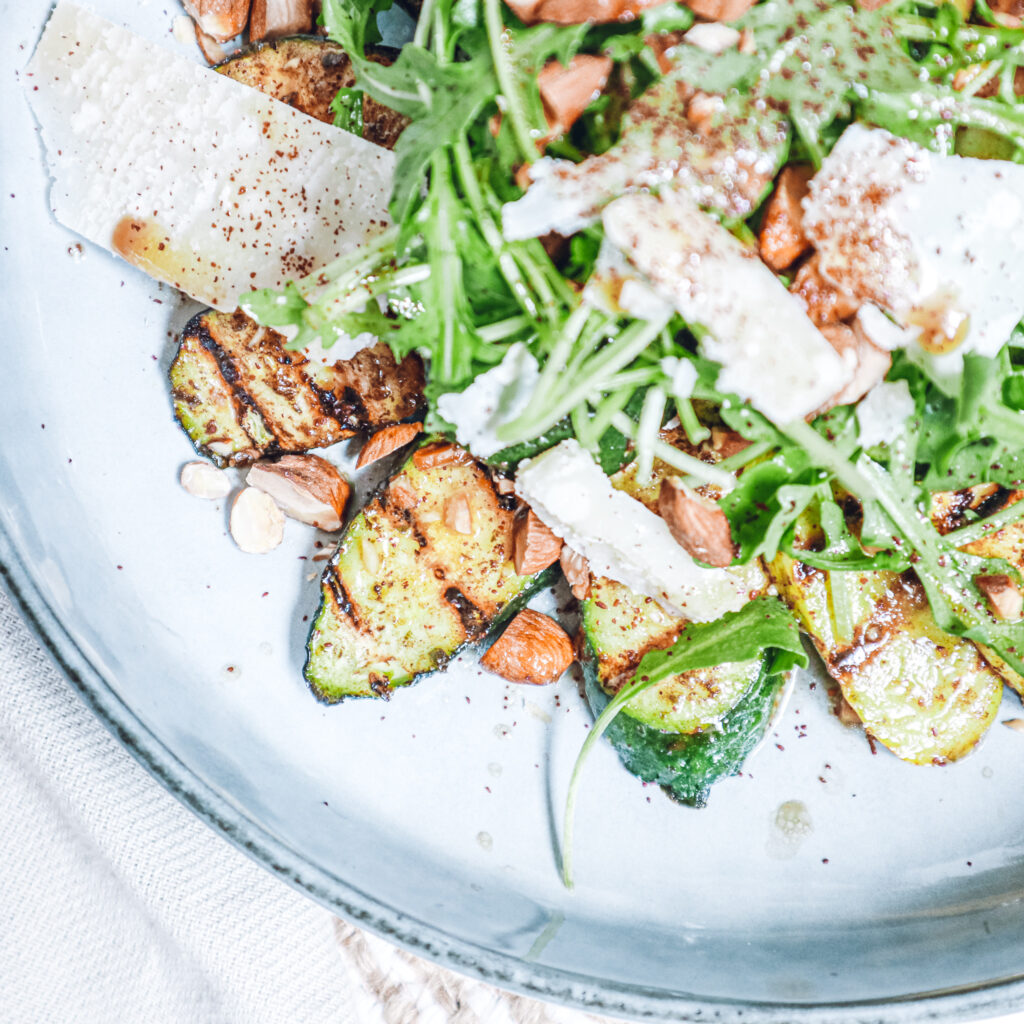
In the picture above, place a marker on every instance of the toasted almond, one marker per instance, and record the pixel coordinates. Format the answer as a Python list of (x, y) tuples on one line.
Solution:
[(203, 480), (782, 240), (306, 487), (534, 546), (726, 442), (458, 513), (273, 19), (503, 485), (401, 493), (386, 441), (1003, 596), (866, 363), (222, 19), (533, 649), (698, 525), (1016, 724), (440, 453), (576, 12), (576, 572), (566, 92), (212, 51), (720, 10), (256, 523), (825, 304)]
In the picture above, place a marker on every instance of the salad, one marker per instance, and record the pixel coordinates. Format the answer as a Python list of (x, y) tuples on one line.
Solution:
[(712, 309)]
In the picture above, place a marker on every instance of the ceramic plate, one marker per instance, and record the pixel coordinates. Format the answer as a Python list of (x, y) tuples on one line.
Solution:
[(827, 882)]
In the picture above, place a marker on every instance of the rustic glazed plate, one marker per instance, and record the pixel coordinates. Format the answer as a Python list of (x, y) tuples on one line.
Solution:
[(827, 883)]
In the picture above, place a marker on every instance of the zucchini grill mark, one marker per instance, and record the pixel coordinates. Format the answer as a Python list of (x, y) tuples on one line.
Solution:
[(240, 394)]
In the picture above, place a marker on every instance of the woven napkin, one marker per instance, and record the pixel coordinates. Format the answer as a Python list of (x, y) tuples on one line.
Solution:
[(117, 906)]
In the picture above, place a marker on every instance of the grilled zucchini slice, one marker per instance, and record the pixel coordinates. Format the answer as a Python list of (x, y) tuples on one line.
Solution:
[(692, 730), (926, 695), (240, 394), (404, 592), (306, 72)]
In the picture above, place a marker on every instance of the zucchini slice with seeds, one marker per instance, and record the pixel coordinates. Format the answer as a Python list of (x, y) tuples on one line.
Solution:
[(693, 729), (404, 592), (926, 695), (306, 72), (240, 394)]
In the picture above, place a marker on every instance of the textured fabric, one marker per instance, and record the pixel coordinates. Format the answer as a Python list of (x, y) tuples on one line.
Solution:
[(117, 905)]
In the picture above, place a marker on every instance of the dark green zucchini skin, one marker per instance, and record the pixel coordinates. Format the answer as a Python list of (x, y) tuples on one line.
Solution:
[(687, 765)]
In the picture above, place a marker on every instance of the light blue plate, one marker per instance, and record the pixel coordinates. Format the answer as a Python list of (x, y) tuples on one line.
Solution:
[(896, 897)]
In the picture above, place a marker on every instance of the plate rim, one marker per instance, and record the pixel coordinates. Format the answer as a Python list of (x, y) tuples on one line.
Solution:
[(990, 998)]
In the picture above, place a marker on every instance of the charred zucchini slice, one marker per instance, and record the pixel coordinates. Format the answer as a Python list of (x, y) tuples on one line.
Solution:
[(926, 695), (405, 592), (306, 72), (241, 394), (689, 732)]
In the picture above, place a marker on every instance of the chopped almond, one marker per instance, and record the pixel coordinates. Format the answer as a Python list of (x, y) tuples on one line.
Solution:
[(204, 480), (440, 453), (222, 19), (576, 12), (701, 109), (576, 572), (871, 5), (386, 441), (782, 240), (1016, 724), (662, 43), (533, 649), (534, 546), (305, 487), (503, 485), (845, 712), (273, 19), (402, 494), (256, 523), (699, 526), (824, 302), (458, 513), (726, 442), (1014, 8), (213, 52), (1004, 598), (866, 363), (567, 91), (720, 10)]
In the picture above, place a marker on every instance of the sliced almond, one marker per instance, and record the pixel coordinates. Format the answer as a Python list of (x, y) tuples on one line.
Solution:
[(566, 92), (440, 453), (534, 546), (1016, 724), (256, 523), (1004, 598), (458, 513), (782, 240), (824, 302), (306, 487), (576, 572), (273, 19), (222, 19), (212, 51), (203, 480), (726, 442), (533, 649), (386, 441), (698, 525), (402, 494)]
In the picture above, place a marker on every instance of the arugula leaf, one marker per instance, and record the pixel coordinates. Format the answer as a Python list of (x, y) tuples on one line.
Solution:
[(765, 624)]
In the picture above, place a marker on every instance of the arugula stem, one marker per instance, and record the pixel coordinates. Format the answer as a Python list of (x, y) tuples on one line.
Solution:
[(651, 415), (704, 472), (983, 527), (696, 432), (513, 103), (502, 329)]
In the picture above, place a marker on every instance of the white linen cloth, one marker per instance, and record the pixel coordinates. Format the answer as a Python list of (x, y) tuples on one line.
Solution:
[(117, 906)]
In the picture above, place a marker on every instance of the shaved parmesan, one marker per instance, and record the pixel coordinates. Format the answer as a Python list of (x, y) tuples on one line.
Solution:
[(199, 180)]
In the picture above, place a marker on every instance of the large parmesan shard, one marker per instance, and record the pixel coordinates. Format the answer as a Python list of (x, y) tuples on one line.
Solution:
[(198, 180)]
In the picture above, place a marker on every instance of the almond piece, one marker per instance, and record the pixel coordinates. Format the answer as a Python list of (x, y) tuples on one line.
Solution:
[(386, 441), (305, 487), (272, 19), (566, 92), (533, 649), (845, 712), (699, 526), (256, 523), (440, 453), (576, 572), (720, 10), (825, 304), (222, 19), (534, 546), (212, 51), (726, 442), (401, 493), (867, 363), (203, 480), (458, 513), (1016, 724), (576, 12), (1003, 596), (503, 485), (782, 241)]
